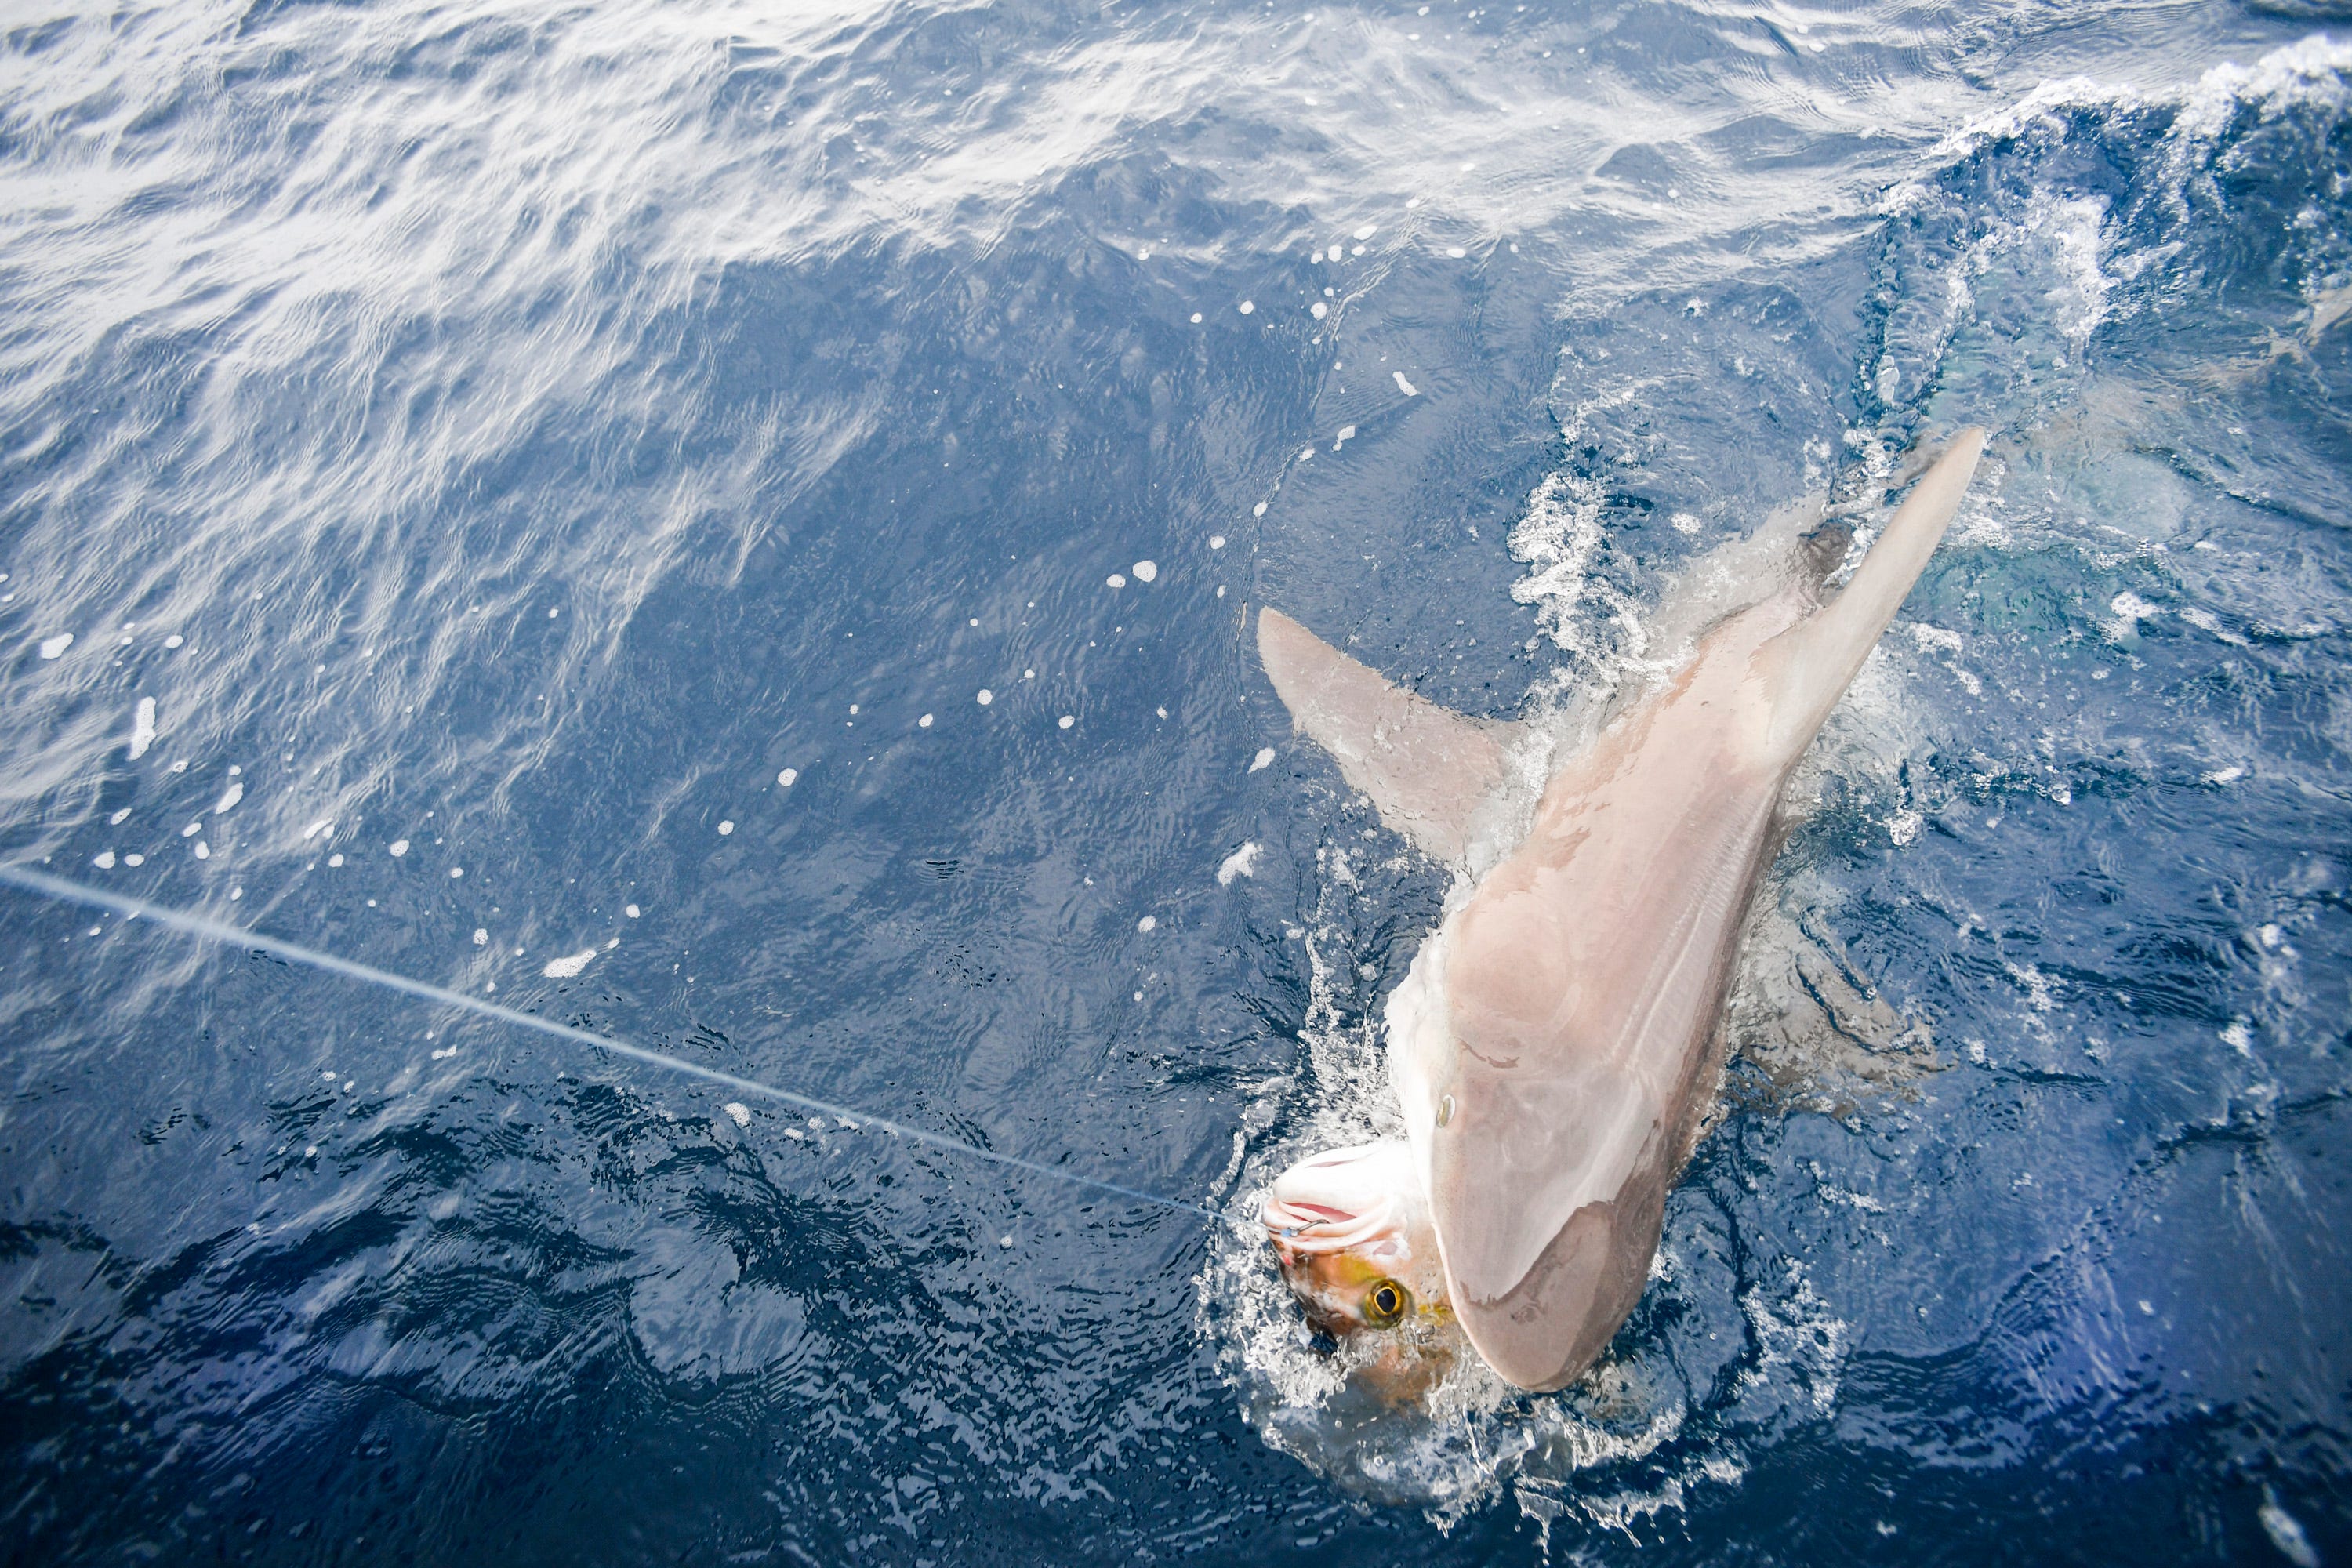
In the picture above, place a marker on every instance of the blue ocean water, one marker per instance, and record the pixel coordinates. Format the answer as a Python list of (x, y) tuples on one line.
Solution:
[(735, 527)]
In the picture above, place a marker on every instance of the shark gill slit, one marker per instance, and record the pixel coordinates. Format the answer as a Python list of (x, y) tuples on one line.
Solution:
[(205, 928)]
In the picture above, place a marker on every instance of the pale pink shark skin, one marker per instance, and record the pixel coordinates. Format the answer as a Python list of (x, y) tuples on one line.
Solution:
[(1551, 1047)]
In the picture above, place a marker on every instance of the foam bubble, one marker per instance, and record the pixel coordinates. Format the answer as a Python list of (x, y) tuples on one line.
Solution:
[(725, 829), (1217, 542), (1242, 862), (632, 911), (1264, 758), (1318, 310), (1065, 720), (1258, 511), (103, 860), (52, 646), (1196, 318), (399, 846), (134, 859), (143, 728), (1367, 232), (481, 936), (192, 829), (1248, 307), (737, 1112), (2286, 1533), (175, 640), (1408, 388), (924, 723), (1146, 571), (455, 872), (787, 777), (1115, 581), (325, 825), (566, 968), (334, 860), (985, 697), (229, 797), (203, 850), (1149, 923)]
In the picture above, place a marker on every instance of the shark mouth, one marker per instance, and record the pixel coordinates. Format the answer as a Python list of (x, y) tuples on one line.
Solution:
[(1331, 1204)]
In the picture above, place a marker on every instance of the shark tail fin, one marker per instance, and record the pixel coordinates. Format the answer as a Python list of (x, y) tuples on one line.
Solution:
[(1809, 666), (1428, 771)]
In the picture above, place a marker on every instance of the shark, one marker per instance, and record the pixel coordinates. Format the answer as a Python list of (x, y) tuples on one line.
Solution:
[(1552, 1044)]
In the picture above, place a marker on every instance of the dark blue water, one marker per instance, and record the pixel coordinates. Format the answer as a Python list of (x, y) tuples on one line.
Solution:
[(509, 440)]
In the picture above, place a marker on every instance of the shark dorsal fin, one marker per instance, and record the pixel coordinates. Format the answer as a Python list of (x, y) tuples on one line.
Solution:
[(1429, 771)]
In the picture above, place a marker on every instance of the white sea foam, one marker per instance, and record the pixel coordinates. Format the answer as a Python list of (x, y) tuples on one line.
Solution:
[(788, 777), (1242, 862), (1116, 580), (1149, 923), (481, 936), (1408, 388), (1217, 542), (568, 968), (632, 911), (134, 859), (103, 860), (1264, 758), (399, 846), (53, 647), (229, 797), (325, 825), (2286, 1533), (985, 697), (143, 728), (203, 850), (1065, 720), (737, 1112), (1145, 571), (725, 829)]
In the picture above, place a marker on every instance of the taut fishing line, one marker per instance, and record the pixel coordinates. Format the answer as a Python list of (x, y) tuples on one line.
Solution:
[(209, 929)]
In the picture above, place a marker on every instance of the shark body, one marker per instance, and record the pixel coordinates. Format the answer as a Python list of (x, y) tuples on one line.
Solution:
[(1551, 1044)]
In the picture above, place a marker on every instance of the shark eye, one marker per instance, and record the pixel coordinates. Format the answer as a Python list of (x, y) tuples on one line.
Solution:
[(1386, 1303)]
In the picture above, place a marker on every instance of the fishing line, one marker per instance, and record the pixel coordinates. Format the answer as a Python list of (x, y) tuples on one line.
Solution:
[(209, 929)]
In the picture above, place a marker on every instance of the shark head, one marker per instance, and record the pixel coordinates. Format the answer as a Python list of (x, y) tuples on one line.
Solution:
[(1352, 1231)]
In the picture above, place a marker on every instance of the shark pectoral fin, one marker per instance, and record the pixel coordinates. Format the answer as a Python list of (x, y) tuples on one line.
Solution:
[(1808, 668), (1427, 770)]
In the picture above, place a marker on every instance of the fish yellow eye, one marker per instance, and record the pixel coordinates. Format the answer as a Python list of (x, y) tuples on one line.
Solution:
[(1386, 1303)]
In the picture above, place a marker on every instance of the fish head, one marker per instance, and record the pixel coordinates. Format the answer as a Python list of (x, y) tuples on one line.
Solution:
[(1352, 1229)]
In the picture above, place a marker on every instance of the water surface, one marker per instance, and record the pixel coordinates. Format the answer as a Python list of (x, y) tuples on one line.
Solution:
[(566, 477)]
